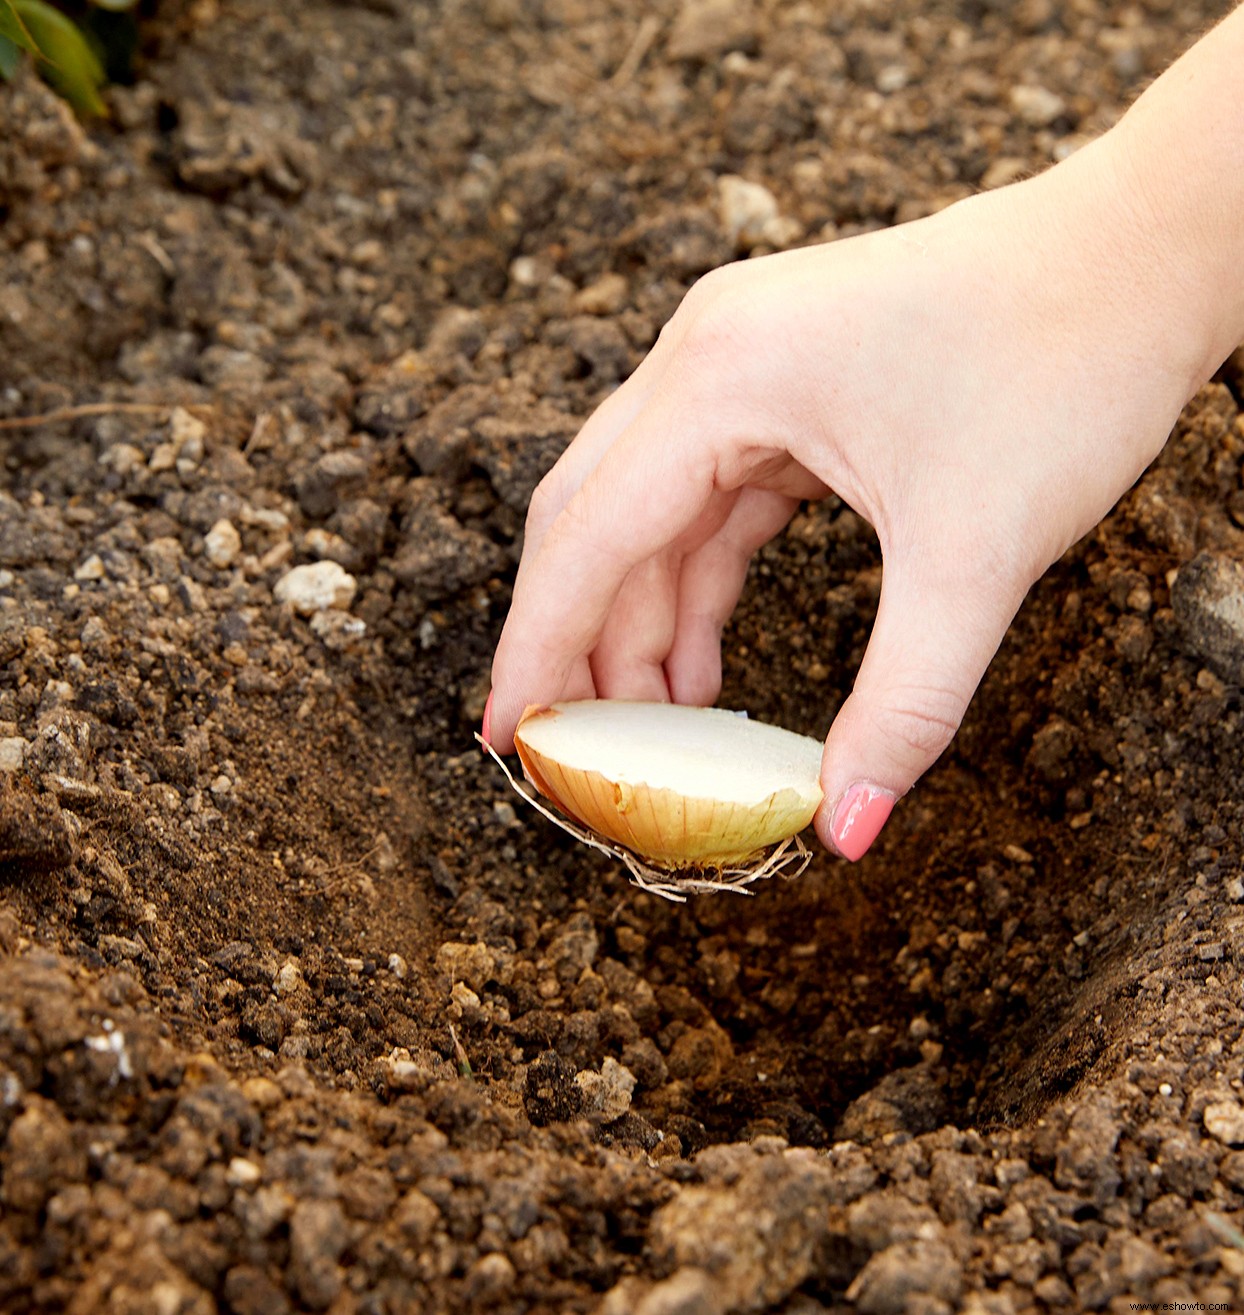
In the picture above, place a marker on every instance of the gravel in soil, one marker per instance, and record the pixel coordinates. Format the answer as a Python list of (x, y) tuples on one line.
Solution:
[(298, 1011)]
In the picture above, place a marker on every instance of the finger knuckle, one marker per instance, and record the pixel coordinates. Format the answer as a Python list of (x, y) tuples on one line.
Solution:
[(924, 719), (712, 325), (706, 290), (715, 335)]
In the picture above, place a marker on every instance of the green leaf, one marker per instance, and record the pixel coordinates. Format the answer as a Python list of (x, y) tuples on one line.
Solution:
[(117, 6), (15, 33), (69, 63), (10, 58)]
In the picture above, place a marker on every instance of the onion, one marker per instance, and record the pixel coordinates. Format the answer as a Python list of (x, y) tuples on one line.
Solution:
[(677, 787)]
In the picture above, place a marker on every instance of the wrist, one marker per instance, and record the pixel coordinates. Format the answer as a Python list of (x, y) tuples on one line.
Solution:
[(1143, 264), (1187, 256), (1177, 159)]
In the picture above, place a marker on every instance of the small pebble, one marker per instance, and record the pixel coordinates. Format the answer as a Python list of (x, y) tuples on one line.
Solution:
[(91, 569), (607, 296), (745, 208), (265, 518), (288, 978), (688, 1292), (462, 996), (124, 458), (163, 458), (1224, 1120), (607, 1094), (242, 1172), (490, 1278), (316, 587), (221, 544), (1037, 106), (320, 544), (12, 753), (1208, 599), (525, 271), (187, 433)]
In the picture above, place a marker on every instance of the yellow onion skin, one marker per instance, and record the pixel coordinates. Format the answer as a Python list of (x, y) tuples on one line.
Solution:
[(661, 826)]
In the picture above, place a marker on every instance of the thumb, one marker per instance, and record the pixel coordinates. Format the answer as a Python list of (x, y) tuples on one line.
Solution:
[(930, 645)]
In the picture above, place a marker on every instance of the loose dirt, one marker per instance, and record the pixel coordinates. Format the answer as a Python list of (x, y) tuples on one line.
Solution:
[(299, 1008)]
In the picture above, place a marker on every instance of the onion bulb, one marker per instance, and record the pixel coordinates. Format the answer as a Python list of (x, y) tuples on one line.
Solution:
[(678, 787)]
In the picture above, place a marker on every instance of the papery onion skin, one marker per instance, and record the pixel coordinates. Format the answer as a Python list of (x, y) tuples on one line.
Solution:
[(662, 826)]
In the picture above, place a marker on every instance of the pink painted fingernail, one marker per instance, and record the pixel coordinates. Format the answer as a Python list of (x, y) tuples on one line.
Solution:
[(859, 817), (486, 728)]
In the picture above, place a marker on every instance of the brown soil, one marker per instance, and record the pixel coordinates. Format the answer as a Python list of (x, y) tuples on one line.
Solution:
[(296, 1011)]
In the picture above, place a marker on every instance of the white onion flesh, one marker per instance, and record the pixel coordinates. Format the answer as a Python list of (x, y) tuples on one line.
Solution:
[(678, 786)]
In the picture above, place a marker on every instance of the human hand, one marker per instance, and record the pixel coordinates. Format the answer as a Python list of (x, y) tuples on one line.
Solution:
[(981, 386)]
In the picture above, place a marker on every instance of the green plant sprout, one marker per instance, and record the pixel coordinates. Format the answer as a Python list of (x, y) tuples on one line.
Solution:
[(69, 57)]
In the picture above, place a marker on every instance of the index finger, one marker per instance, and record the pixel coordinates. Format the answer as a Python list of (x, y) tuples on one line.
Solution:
[(647, 490)]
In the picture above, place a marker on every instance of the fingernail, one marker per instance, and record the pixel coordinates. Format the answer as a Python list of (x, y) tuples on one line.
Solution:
[(858, 819), (486, 729)]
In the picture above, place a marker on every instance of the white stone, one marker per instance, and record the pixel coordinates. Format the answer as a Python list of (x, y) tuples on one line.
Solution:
[(221, 544), (187, 432), (745, 208), (91, 569), (288, 979), (164, 457), (12, 753), (265, 518), (462, 995), (606, 296), (113, 1042), (242, 1172), (1037, 106), (1224, 1120), (321, 544), (782, 231), (525, 271), (316, 587), (607, 1094), (123, 458)]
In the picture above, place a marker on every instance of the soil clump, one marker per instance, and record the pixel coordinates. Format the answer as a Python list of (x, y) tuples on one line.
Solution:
[(297, 1011)]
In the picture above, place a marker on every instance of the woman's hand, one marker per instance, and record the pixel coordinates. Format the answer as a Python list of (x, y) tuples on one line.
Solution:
[(981, 386)]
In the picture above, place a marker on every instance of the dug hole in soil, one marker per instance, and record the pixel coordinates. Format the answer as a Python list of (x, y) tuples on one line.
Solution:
[(300, 1010)]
